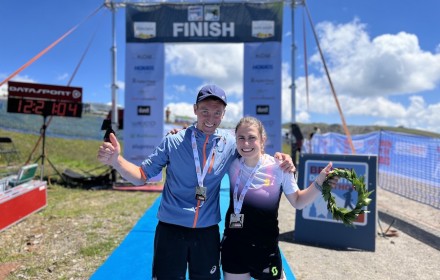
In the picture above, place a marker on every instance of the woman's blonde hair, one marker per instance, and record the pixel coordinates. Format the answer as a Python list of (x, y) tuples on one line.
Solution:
[(253, 121)]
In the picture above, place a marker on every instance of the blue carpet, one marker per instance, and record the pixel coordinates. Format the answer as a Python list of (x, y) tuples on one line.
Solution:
[(133, 258)]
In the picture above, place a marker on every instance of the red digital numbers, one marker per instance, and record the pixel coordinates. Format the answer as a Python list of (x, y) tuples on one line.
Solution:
[(44, 107)]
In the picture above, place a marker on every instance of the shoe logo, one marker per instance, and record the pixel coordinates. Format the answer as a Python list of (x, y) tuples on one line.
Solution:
[(274, 271), (213, 269)]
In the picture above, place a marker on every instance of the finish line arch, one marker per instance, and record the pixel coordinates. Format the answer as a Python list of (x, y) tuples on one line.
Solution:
[(150, 26)]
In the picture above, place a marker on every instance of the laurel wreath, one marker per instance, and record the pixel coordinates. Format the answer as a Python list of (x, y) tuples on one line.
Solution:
[(341, 213)]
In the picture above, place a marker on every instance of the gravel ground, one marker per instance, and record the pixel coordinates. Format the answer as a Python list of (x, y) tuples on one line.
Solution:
[(398, 257)]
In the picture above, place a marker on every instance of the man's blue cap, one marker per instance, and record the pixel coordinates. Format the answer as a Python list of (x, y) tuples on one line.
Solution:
[(211, 91)]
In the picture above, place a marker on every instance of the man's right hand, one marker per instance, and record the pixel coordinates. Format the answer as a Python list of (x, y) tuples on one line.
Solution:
[(108, 152)]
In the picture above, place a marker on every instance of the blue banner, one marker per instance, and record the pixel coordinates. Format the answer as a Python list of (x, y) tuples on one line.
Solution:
[(262, 89), (144, 100), (402, 155)]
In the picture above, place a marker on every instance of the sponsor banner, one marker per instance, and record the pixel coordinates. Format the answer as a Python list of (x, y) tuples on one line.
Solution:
[(393, 150), (262, 89), (204, 22), (144, 101), (42, 91), (314, 220)]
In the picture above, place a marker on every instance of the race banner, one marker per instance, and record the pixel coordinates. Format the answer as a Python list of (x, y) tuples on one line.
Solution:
[(256, 24), (204, 22), (144, 100), (262, 89)]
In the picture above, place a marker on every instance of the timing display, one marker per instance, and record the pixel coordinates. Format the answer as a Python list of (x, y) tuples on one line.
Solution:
[(46, 100), (44, 107)]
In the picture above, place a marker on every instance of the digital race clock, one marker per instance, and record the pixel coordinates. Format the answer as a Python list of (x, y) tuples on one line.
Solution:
[(46, 100)]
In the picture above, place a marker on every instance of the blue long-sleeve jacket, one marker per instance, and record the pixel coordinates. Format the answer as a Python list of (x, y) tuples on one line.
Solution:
[(179, 205)]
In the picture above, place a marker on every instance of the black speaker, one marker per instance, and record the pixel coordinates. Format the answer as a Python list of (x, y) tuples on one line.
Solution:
[(296, 132)]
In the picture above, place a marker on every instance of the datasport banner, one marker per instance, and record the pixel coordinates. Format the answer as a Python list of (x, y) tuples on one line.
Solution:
[(204, 22)]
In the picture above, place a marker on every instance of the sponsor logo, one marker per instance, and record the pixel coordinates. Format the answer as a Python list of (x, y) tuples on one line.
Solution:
[(262, 67), (144, 56), (137, 158), (139, 135), (268, 123), (415, 150), (262, 81), (144, 29), (143, 124), (263, 29), (213, 269), (45, 91), (263, 55), (144, 67), (205, 12), (144, 110), (142, 147), (269, 146), (264, 97), (147, 83), (263, 110), (153, 98), (76, 94)]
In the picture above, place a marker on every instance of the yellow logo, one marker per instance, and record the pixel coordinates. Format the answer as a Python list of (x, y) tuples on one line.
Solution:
[(274, 271)]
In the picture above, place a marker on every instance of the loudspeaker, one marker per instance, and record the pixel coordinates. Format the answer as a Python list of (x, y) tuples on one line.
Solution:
[(296, 131)]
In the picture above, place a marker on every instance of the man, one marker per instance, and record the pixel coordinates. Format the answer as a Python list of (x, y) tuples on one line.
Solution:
[(187, 235)]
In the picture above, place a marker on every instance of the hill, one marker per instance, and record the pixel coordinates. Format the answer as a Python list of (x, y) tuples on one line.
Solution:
[(89, 126)]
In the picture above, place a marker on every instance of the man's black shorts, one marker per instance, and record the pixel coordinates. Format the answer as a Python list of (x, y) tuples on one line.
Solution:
[(177, 247), (239, 256)]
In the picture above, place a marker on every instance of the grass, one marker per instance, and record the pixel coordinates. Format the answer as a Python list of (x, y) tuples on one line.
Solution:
[(78, 229)]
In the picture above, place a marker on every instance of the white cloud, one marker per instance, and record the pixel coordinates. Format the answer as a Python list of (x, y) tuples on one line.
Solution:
[(390, 64), (62, 77), (213, 63), (367, 72), (380, 80)]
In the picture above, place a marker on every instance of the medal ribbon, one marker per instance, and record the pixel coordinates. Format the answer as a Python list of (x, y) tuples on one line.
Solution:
[(238, 201), (200, 176)]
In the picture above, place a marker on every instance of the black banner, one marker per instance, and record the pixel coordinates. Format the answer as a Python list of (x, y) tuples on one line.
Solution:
[(204, 22)]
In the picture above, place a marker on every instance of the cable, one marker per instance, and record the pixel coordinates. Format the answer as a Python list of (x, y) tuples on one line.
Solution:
[(344, 125), (306, 69), (32, 60)]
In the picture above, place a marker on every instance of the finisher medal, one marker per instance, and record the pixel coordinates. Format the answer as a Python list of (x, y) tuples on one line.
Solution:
[(201, 193), (236, 221)]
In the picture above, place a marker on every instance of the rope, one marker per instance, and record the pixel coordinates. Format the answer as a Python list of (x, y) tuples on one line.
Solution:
[(306, 69), (344, 125), (32, 60)]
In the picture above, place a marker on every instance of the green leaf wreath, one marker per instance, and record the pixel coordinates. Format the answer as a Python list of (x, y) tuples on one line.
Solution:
[(341, 213)]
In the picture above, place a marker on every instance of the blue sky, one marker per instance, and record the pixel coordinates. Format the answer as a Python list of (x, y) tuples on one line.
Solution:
[(383, 57)]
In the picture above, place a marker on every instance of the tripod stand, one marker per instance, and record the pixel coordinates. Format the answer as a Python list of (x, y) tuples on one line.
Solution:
[(43, 156)]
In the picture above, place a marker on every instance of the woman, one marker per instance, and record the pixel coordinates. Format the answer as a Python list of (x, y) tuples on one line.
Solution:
[(249, 246)]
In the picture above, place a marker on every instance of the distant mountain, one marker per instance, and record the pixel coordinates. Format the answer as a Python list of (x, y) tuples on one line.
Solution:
[(89, 125), (308, 128)]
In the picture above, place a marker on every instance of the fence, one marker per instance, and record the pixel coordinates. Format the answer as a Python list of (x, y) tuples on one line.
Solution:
[(409, 165)]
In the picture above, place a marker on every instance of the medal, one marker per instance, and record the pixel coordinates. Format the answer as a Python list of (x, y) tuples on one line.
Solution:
[(201, 193), (236, 221)]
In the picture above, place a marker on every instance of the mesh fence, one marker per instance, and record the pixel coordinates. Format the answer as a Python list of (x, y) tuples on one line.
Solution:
[(408, 165)]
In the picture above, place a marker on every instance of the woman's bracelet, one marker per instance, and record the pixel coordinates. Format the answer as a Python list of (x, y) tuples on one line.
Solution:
[(317, 186)]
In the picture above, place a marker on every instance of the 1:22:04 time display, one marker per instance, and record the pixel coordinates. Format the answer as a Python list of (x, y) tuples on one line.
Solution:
[(44, 107)]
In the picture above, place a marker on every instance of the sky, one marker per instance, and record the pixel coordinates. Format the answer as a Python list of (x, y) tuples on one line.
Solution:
[(383, 59)]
